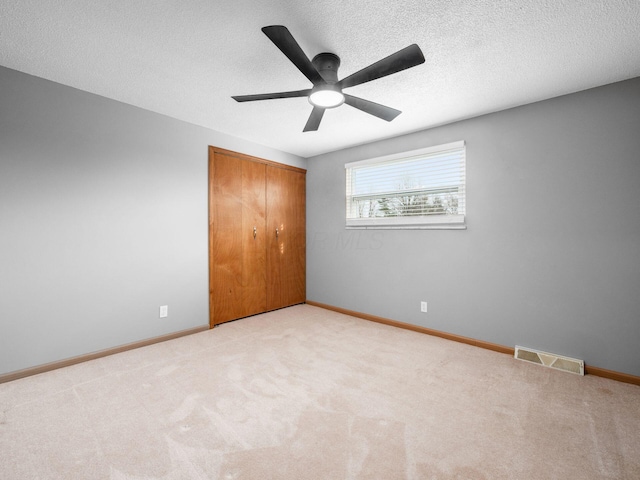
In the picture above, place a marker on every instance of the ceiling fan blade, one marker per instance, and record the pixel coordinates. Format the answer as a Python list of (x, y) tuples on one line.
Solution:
[(314, 119), (283, 39), (270, 96), (372, 108), (401, 60)]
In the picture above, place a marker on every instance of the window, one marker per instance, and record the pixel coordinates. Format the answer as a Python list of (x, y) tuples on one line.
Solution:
[(418, 189)]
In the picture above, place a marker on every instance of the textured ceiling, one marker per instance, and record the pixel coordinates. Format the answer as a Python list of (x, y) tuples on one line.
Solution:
[(185, 58)]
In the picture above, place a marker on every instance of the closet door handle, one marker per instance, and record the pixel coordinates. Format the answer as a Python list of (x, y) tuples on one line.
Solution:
[(255, 232), (276, 233)]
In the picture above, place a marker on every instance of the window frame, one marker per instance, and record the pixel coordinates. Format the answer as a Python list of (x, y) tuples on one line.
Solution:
[(409, 222)]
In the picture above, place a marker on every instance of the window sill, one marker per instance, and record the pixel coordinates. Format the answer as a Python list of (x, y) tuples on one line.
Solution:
[(444, 222)]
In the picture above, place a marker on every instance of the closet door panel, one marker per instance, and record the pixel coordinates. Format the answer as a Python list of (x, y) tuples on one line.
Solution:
[(286, 246), (254, 260), (275, 239), (294, 274), (226, 234)]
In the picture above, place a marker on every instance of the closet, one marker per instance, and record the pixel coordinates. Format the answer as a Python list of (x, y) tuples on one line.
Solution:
[(257, 245)]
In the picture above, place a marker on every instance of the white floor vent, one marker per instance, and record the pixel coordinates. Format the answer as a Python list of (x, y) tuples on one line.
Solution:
[(558, 362)]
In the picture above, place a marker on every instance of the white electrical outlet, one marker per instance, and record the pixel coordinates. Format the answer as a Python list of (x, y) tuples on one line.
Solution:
[(423, 307), (164, 311)]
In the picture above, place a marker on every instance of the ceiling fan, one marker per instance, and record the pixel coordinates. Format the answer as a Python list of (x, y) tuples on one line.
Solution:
[(322, 71)]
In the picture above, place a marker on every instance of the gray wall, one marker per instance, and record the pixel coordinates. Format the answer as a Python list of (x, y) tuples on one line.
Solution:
[(103, 218), (551, 256)]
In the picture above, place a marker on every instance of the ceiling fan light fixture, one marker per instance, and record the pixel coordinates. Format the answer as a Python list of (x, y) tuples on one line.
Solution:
[(326, 96)]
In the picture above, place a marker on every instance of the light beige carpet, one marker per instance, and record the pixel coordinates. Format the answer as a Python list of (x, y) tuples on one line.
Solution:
[(305, 393)]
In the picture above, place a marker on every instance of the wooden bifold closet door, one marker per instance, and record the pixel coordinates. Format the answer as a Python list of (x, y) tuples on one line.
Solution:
[(286, 246), (257, 241)]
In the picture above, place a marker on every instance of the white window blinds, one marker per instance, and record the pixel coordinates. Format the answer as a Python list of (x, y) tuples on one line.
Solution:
[(418, 189)]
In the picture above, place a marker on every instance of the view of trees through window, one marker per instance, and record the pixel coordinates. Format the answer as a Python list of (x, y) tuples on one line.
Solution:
[(409, 202)]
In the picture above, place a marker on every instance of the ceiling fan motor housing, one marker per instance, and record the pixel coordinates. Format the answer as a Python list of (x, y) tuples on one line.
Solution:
[(327, 66)]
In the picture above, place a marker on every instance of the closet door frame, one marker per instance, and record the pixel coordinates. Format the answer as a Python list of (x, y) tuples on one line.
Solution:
[(211, 203)]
